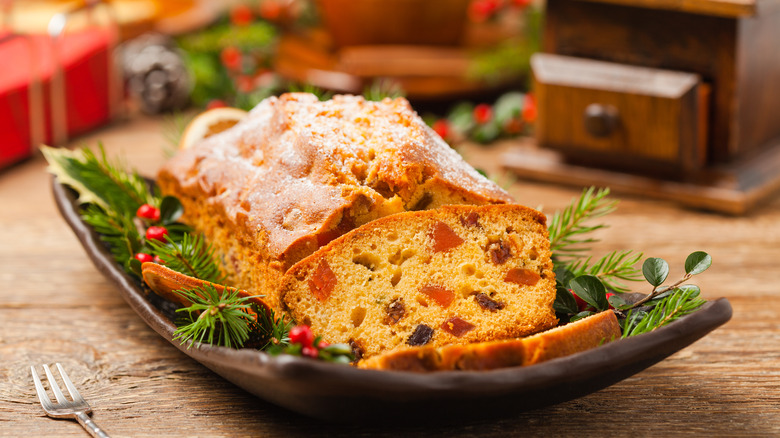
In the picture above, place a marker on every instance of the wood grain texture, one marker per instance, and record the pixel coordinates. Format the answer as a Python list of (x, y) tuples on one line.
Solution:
[(55, 307)]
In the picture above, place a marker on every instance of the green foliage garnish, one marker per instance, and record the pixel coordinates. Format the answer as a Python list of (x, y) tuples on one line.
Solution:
[(568, 227), (97, 180), (191, 256), (612, 269), (593, 282), (380, 89), (682, 301), (218, 319)]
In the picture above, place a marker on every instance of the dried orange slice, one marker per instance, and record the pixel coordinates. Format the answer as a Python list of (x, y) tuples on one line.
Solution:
[(209, 123), (164, 282)]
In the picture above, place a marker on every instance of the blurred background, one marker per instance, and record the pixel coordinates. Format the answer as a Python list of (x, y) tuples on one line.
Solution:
[(674, 99)]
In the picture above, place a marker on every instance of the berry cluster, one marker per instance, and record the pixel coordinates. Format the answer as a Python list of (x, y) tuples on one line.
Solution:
[(512, 114), (149, 214), (303, 336), (481, 11)]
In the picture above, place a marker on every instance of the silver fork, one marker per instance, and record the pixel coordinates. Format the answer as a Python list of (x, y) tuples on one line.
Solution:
[(78, 408)]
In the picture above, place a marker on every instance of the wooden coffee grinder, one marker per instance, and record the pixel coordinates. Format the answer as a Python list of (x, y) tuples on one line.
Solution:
[(678, 99)]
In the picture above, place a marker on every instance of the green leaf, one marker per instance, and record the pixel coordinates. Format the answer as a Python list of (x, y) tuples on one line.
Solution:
[(581, 315), (170, 210), (564, 302), (591, 290), (617, 301), (655, 271), (563, 276), (697, 262)]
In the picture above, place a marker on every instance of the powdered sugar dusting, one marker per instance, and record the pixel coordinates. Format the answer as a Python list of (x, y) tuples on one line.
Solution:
[(288, 164)]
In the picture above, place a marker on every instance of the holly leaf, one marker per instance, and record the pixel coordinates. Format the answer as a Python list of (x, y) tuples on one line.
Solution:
[(655, 271), (697, 262), (591, 290)]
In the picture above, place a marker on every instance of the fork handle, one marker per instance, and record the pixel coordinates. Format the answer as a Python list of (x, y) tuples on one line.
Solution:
[(90, 425)]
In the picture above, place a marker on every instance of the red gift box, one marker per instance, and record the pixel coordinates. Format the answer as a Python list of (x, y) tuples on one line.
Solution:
[(67, 79)]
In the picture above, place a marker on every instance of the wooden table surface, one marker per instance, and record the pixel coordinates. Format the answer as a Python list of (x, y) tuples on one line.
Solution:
[(56, 307)]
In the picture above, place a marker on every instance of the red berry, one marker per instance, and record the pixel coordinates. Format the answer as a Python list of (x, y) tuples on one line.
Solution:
[(148, 211), (529, 109), (310, 352), (245, 83), (522, 4), (301, 334), (270, 10), (322, 345), (483, 113), (442, 127), (513, 126), (158, 260), (482, 10), (241, 15), (610, 294), (156, 233), (216, 103), (231, 57), (143, 257)]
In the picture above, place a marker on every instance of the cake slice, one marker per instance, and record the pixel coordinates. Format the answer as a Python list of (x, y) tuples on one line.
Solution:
[(565, 340), (455, 275)]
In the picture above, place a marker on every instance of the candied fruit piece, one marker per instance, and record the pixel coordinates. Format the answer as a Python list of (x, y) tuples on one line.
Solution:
[(488, 303), (422, 335), (470, 220), (395, 311), (457, 326), (499, 252), (322, 281), (444, 239), (525, 277), (442, 296), (357, 349)]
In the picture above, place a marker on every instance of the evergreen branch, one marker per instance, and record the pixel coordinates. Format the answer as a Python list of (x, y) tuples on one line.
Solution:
[(192, 257), (213, 318), (97, 180), (612, 269), (117, 231), (268, 330), (567, 227), (681, 302)]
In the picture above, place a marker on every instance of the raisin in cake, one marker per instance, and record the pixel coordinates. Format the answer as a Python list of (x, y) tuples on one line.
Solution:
[(297, 173), (455, 275), (565, 340)]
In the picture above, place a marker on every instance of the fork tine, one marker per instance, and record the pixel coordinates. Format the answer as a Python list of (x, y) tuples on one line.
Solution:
[(54, 386), (74, 393), (45, 401)]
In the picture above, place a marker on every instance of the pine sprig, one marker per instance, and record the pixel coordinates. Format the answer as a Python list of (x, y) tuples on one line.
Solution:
[(118, 231), (568, 228), (612, 269), (97, 180), (269, 330), (214, 318), (191, 256), (681, 302)]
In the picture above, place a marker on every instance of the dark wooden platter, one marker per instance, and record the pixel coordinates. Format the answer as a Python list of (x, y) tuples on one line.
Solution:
[(345, 394)]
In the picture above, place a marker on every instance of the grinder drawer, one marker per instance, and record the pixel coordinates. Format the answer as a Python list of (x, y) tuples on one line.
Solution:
[(620, 114)]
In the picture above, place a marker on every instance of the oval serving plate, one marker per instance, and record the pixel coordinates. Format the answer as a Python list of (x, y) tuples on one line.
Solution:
[(342, 393)]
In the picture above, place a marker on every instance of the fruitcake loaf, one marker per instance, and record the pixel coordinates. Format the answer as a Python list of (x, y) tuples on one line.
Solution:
[(561, 341), (296, 173), (455, 275)]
